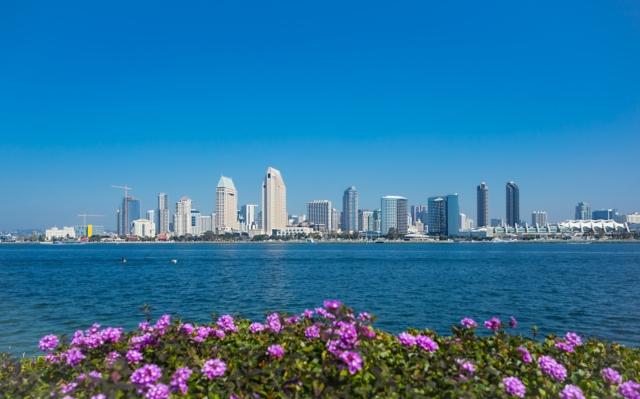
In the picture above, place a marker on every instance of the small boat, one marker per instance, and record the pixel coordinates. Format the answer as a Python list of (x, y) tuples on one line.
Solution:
[(123, 260), (174, 261)]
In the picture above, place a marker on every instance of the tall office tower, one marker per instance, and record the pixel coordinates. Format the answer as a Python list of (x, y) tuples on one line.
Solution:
[(274, 201), (539, 218), (482, 192), (129, 211), (226, 205), (118, 221), (437, 216), (376, 220), (196, 222), (182, 217), (418, 213), (151, 216), (604, 214), (249, 215), (206, 223), (350, 200), (513, 203), (162, 224), (335, 219), (319, 214), (394, 214), (365, 220), (583, 211), (453, 215)]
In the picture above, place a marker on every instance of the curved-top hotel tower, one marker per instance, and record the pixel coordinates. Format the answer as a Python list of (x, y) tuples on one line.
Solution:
[(274, 201)]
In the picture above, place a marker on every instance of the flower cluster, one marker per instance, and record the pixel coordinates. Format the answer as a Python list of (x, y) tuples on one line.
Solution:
[(552, 368)]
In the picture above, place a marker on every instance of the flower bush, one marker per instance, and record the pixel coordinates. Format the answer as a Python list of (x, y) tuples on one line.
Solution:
[(327, 352)]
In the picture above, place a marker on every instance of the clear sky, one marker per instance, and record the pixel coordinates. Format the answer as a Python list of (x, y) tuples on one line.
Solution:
[(408, 98)]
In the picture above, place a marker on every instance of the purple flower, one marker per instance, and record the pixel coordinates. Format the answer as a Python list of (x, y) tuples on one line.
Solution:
[(407, 339), (426, 343), (275, 351), (214, 368), (158, 391), (322, 312), (513, 323), (564, 346), (333, 347), (364, 316), (552, 368), (514, 387), (308, 313), (629, 390), (368, 332), (273, 322), (133, 356), (163, 323), (139, 342), (573, 339), (526, 356), (256, 327), (179, 380), (468, 323), (352, 360), (466, 366), (292, 319), (146, 375), (111, 334), (73, 356), (187, 328), (226, 323), (493, 324), (111, 358), (95, 375), (66, 388), (202, 333), (48, 343), (312, 332), (99, 396), (611, 376), (144, 327), (51, 358), (571, 392), (218, 333), (332, 304), (348, 335)]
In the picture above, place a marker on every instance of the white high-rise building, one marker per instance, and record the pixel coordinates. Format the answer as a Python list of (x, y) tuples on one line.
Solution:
[(226, 205), (151, 215), (393, 214), (539, 218), (319, 212), (206, 223), (182, 217), (274, 201), (365, 220), (249, 214), (162, 221)]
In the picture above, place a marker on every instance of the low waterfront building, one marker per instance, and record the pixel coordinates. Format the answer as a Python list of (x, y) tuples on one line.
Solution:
[(56, 233), (292, 231), (143, 228)]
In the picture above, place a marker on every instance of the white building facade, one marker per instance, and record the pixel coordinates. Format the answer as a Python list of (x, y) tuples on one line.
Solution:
[(182, 217), (226, 205), (274, 202)]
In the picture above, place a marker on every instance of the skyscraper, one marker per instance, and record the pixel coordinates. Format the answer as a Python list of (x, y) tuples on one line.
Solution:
[(151, 216), (453, 215), (418, 213), (226, 205), (365, 220), (513, 203), (129, 211), (482, 204), (249, 215), (583, 211), (274, 201), (319, 214), (182, 217), (539, 218), (350, 210), (335, 220), (394, 214), (437, 216), (162, 223)]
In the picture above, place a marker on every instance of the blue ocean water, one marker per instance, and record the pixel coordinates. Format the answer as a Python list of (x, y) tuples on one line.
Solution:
[(592, 289)]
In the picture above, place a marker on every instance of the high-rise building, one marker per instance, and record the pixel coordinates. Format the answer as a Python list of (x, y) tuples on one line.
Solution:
[(196, 222), (129, 211), (482, 192), (583, 211), (497, 222), (249, 216), (539, 218), (394, 214), (335, 220), (226, 205), (274, 201), (418, 214), (365, 220), (162, 224), (350, 200), (182, 217), (151, 215), (319, 214), (443, 215), (206, 223), (513, 203), (143, 228), (604, 214)]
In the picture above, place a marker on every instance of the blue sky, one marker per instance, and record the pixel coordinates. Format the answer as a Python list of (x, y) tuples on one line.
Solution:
[(408, 98)]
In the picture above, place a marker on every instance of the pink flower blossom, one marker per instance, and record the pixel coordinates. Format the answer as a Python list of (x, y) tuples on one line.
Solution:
[(275, 351), (426, 343), (571, 392), (312, 332), (407, 339), (552, 368), (514, 387), (468, 323), (48, 343), (255, 328), (611, 376), (493, 324), (352, 360), (526, 356), (214, 368), (157, 391)]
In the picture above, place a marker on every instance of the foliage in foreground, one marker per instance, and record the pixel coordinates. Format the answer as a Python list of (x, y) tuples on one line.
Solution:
[(327, 352)]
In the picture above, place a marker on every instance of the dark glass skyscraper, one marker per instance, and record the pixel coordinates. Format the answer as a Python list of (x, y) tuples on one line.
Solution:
[(513, 203), (583, 211), (483, 204), (350, 209), (129, 211)]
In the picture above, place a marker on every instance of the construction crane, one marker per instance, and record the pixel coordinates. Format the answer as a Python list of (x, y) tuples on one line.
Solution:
[(125, 188), (84, 217)]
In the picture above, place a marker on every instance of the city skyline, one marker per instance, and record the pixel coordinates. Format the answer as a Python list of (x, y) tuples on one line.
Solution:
[(415, 100)]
